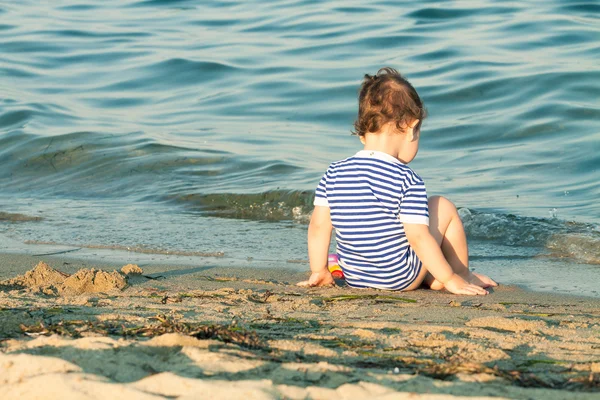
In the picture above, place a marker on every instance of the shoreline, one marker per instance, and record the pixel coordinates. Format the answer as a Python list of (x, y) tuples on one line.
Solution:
[(232, 332), (17, 258), (536, 271)]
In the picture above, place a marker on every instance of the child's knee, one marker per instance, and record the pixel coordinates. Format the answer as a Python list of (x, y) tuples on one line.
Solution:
[(432, 283), (436, 285), (441, 204)]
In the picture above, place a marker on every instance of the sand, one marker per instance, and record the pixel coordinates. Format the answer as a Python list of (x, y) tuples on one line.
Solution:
[(75, 331), (50, 281)]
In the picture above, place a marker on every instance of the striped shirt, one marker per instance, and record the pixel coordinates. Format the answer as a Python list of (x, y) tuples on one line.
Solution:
[(370, 195)]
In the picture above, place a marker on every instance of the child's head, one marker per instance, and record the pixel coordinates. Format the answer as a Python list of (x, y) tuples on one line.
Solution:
[(384, 98)]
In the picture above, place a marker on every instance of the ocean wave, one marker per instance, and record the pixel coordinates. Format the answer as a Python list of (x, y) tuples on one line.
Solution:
[(566, 239), (91, 164), (560, 238), (277, 205), (16, 217)]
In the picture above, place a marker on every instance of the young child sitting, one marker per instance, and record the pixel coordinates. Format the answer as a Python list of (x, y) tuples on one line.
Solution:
[(389, 234)]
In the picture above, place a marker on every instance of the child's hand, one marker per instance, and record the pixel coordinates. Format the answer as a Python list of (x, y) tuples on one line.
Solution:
[(458, 285), (323, 278)]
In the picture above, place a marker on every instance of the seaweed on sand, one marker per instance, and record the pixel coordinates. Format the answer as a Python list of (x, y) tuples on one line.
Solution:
[(376, 297), (165, 324)]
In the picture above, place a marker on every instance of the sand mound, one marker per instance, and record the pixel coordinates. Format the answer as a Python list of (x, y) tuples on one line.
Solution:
[(41, 275), (15, 368), (131, 269), (72, 386), (92, 281), (50, 281)]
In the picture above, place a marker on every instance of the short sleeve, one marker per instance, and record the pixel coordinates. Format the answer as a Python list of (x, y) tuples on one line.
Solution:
[(414, 208), (321, 191)]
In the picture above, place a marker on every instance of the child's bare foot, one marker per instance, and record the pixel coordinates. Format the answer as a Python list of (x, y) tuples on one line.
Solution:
[(481, 280)]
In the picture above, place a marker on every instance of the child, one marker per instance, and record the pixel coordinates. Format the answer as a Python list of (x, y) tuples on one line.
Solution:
[(389, 234)]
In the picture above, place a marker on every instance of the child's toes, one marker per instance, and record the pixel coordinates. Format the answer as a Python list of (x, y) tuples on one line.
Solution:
[(485, 280)]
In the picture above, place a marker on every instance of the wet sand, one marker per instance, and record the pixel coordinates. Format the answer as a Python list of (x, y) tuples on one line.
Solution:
[(212, 331)]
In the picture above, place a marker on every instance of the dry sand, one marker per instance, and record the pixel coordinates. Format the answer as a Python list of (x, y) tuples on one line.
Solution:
[(49, 281), (74, 331)]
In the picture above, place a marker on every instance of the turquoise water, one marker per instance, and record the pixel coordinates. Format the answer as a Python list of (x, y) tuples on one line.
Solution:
[(203, 126)]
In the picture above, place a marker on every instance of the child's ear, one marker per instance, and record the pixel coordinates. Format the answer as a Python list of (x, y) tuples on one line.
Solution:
[(362, 139), (411, 131)]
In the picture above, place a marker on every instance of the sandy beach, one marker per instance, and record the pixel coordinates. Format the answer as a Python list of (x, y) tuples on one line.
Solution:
[(72, 329)]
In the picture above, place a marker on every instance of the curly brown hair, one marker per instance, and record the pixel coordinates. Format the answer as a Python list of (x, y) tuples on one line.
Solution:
[(387, 97)]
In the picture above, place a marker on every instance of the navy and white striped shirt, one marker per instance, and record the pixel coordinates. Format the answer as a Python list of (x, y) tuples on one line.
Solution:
[(370, 196)]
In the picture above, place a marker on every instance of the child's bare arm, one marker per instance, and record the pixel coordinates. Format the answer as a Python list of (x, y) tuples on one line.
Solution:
[(319, 237), (430, 254)]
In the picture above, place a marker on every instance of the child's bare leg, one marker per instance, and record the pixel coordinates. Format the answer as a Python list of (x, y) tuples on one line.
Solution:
[(447, 229)]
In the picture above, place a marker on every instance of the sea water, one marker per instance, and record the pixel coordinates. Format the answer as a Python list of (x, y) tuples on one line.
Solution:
[(201, 128)]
